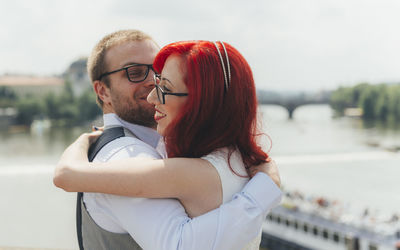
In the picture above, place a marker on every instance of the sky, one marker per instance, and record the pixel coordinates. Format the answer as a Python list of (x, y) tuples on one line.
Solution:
[(307, 45)]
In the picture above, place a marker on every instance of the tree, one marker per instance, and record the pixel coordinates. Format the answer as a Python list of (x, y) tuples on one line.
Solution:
[(381, 110), (367, 102), (393, 97), (28, 109), (341, 99), (8, 97), (88, 107)]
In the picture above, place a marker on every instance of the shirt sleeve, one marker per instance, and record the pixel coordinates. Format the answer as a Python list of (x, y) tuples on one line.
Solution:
[(163, 223), (126, 147)]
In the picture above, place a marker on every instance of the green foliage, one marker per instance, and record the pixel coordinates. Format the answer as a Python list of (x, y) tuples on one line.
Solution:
[(357, 92), (29, 109), (51, 106), (88, 106), (8, 97), (367, 102), (62, 109), (381, 109), (341, 99), (378, 102), (394, 103), (68, 94)]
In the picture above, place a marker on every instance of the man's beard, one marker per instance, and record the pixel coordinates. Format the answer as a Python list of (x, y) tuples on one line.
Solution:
[(135, 113)]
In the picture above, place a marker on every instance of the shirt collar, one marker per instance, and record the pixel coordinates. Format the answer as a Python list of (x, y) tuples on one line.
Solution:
[(145, 134)]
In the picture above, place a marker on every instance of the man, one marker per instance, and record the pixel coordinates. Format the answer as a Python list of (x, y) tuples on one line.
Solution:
[(120, 68)]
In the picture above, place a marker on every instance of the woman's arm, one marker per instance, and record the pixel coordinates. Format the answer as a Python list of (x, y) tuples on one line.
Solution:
[(195, 182), (137, 177)]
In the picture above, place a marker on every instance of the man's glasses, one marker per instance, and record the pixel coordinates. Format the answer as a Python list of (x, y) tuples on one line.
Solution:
[(135, 72), (160, 92)]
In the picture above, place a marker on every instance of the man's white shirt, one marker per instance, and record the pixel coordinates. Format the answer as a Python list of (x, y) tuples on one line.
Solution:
[(163, 223)]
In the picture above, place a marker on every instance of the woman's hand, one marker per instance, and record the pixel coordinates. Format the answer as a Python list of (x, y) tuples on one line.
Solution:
[(73, 156), (78, 150), (95, 128), (268, 168)]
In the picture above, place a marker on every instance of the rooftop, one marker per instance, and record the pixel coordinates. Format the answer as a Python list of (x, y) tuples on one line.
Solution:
[(23, 80)]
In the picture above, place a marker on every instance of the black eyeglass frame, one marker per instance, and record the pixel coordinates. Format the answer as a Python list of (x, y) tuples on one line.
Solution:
[(160, 90), (149, 66)]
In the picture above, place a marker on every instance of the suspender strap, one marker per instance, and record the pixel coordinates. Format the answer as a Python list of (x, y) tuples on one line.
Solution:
[(79, 220), (107, 136)]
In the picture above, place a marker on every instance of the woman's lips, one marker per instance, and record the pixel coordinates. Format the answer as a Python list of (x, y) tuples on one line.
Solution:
[(158, 115)]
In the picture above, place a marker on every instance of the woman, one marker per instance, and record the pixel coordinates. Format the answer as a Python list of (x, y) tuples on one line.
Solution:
[(206, 108)]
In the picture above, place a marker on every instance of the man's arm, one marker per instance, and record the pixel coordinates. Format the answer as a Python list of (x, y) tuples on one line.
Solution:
[(246, 213), (163, 223)]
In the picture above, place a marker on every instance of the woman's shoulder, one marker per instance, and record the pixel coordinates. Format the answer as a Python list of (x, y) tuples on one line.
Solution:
[(225, 156), (219, 153), (231, 170)]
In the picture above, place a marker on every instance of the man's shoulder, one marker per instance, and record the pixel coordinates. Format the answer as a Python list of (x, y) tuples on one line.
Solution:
[(126, 147)]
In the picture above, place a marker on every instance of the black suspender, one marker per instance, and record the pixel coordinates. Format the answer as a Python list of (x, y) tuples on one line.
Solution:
[(107, 136)]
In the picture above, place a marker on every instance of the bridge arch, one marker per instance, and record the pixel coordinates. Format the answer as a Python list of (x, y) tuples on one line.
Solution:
[(291, 106)]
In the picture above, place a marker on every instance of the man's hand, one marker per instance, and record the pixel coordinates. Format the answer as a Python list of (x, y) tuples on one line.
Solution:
[(270, 169)]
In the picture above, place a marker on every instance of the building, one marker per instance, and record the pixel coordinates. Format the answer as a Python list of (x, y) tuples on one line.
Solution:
[(24, 85), (77, 75)]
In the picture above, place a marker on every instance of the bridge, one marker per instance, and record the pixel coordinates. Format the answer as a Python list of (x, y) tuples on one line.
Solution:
[(291, 101)]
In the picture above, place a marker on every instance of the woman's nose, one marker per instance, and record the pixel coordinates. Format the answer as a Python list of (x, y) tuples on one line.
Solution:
[(152, 97)]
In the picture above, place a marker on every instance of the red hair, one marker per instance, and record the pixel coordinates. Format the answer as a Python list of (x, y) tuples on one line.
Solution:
[(212, 117)]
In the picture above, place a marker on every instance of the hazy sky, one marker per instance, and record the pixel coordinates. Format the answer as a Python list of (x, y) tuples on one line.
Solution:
[(290, 44)]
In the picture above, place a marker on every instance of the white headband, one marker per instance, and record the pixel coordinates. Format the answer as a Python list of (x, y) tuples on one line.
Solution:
[(227, 80)]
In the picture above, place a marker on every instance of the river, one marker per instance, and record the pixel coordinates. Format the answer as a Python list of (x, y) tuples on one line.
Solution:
[(342, 159)]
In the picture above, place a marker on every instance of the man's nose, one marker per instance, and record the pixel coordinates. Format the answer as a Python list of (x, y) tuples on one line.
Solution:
[(149, 81)]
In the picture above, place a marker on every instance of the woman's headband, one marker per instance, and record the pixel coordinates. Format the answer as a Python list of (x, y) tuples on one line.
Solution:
[(227, 79)]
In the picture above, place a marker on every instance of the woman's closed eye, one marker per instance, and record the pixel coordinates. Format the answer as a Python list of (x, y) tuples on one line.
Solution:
[(165, 88)]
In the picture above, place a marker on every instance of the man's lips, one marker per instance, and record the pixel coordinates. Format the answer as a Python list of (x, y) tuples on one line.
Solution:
[(158, 115)]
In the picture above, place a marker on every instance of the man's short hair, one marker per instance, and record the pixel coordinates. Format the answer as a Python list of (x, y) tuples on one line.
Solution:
[(96, 64)]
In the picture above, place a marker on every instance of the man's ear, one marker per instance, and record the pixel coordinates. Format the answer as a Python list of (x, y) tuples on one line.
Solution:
[(102, 91)]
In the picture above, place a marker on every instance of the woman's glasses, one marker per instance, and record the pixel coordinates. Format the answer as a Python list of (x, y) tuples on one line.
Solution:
[(160, 92)]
